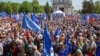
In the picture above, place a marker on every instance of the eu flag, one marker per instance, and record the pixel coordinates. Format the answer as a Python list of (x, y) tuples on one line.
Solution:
[(98, 49), (85, 17), (95, 16), (67, 43), (3, 14), (46, 42), (28, 24), (34, 18)]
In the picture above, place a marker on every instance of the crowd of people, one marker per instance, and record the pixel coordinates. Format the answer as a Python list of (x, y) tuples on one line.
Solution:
[(83, 40)]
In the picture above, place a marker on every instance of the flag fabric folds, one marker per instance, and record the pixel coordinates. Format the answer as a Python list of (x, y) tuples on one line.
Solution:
[(68, 45), (95, 16), (67, 48), (35, 15), (98, 49), (3, 14), (28, 24), (34, 18), (46, 42), (85, 17), (57, 32), (64, 52)]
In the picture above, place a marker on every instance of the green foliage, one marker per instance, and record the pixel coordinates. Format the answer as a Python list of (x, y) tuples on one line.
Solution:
[(15, 7), (47, 8), (41, 9), (35, 6), (6, 6), (2, 6), (88, 7), (25, 7), (97, 7)]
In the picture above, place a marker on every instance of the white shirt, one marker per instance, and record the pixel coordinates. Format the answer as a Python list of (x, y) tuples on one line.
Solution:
[(1, 49)]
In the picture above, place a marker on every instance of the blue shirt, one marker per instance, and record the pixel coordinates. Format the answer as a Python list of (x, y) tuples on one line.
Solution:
[(64, 52)]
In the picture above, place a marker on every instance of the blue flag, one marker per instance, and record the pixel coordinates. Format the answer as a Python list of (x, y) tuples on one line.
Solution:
[(46, 42), (3, 14), (43, 16), (67, 49), (57, 32), (28, 24), (24, 24), (98, 49), (67, 43), (34, 18), (35, 15), (64, 52), (95, 16), (85, 17)]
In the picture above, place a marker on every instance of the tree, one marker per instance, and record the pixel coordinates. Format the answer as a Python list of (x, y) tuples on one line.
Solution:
[(97, 7), (15, 7), (35, 6), (6, 6), (25, 7), (88, 7), (2, 6), (41, 9), (47, 9)]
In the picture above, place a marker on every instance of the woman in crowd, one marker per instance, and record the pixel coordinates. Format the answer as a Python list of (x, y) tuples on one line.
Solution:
[(74, 39)]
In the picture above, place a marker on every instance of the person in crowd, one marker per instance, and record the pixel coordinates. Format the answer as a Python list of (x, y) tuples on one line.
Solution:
[(30, 47), (82, 39), (36, 51), (79, 52)]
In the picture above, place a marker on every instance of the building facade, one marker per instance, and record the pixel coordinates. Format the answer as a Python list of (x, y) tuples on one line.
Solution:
[(63, 5)]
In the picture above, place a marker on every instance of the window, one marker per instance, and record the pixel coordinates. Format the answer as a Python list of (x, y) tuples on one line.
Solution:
[(61, 1)]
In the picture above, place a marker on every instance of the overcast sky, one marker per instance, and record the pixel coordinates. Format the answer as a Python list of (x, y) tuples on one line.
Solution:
[(77, 4)]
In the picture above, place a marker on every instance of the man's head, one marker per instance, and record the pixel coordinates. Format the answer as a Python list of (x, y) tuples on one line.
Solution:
[(34, 47)]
